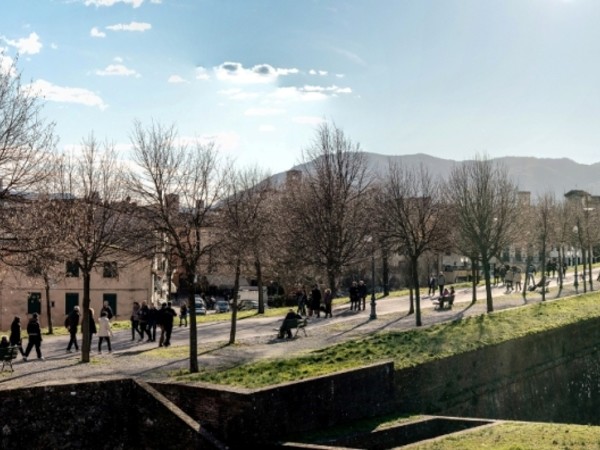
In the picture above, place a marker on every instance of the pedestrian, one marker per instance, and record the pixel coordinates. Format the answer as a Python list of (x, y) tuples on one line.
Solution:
[(34, 337), (15, 334), (441, 281), (316, 300), (432, 284), (4, 342), (135, 320), (72, 324), (107, 309), (183, 313), (143, 321), (301, 298), (92, 321), (353, 292), (362, 294), (328, 300), (165, 322), (104, 331), (152, 322), (517, 275)]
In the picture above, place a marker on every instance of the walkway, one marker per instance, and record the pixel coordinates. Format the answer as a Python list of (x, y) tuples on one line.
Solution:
[(256, 339)]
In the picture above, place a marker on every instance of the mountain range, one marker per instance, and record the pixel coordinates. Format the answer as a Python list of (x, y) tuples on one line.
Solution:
[(535, 175)]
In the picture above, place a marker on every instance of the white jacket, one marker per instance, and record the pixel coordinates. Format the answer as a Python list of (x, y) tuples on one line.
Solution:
[(104, 327)]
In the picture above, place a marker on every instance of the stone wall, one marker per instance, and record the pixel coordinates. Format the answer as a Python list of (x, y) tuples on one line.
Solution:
[(118, 414), (552, 376), (239, 416)]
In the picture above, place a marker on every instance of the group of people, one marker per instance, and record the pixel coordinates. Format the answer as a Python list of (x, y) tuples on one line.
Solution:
[(315, 303), (104, 329), (358, 295), (435, 283), (34, 333), (145, 319)]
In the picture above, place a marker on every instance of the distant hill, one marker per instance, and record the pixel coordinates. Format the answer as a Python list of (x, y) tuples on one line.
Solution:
[(536, 175)]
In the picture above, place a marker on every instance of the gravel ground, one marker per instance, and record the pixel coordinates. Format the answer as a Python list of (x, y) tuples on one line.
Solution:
[(257, 341)]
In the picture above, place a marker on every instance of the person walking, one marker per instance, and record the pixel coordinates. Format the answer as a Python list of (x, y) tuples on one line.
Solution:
[(441, 281), (316, 300), (92, 322), (34, 336), (72, 323), (135, 321), (143, 314), (183, 313), (104, 332), (328, 300), (354, 299), (15, 334), (362, 294), (166, 316)]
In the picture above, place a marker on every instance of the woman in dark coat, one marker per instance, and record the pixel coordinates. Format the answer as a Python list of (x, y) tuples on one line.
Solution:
[(15, 334)]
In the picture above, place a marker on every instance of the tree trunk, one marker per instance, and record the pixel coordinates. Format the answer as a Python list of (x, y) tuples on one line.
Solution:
[(331, 281), (488, 284), (385, 273), (85, 344), (259, 282), (193, 327), (48, 305), (473, 282), (234, 304), (415, 282)]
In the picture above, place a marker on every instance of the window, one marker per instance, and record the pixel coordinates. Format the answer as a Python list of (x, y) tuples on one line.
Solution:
[(34, 303), (110, 270), (72, 269)]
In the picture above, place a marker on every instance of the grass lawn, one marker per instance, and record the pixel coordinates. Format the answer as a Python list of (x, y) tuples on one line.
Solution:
[(410, 347)]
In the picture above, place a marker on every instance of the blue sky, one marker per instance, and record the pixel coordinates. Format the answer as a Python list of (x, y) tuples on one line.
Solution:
[(447, 78)]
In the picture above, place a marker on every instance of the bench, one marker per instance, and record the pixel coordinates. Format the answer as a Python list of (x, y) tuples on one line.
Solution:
[(444, 302), (7, 354), (298, 324)]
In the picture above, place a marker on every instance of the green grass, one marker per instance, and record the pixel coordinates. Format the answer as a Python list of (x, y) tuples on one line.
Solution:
[(411, 347), (521, 436)]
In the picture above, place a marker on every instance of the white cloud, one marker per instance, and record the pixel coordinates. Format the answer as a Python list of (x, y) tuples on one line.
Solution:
[(259, 74), (26, 46), (6, 64), (95, 32), (266, 128), (264, 111), (51, 92), (296, 94), (329, 89), (317, 72), (176, 79), (202, 74), (98, 3), (133, 26), (223, 141), (117, 70)]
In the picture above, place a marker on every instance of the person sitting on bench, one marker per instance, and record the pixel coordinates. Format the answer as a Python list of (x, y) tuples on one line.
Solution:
[(285, 326)]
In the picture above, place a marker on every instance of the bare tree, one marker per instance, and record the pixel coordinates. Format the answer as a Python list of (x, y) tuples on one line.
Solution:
[(413, 200), (96, 216), (544, 227), (26, 140), (179, 187), (245, 226), (485, 208), (327, 210)]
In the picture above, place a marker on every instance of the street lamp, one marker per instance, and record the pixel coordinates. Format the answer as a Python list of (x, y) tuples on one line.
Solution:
[(373, 314), (373, 303)]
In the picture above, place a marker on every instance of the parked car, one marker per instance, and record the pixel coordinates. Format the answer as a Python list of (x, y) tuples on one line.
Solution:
[(245, 305), (200, 306), (222, 306)]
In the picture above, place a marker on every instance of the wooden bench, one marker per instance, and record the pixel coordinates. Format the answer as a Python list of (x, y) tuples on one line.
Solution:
[(7, 354), (298, 324), (444, 302)]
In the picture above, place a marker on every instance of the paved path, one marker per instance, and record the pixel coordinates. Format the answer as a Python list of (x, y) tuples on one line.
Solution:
[(256, 339)]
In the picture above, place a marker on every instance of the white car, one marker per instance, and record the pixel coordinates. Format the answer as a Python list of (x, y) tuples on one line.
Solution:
[(199, 306)]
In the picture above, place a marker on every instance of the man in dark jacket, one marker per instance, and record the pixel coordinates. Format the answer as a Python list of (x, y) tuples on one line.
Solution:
[(285, 328), (34, 336), (166, 316), (73, 324)]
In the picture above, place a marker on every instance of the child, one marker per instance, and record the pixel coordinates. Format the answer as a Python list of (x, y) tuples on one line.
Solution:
[(4, 342)]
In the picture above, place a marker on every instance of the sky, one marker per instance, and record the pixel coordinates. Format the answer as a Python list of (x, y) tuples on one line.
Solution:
[(449, 78)]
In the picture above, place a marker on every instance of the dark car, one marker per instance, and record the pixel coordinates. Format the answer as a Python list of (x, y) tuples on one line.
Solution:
[(221, 306)]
